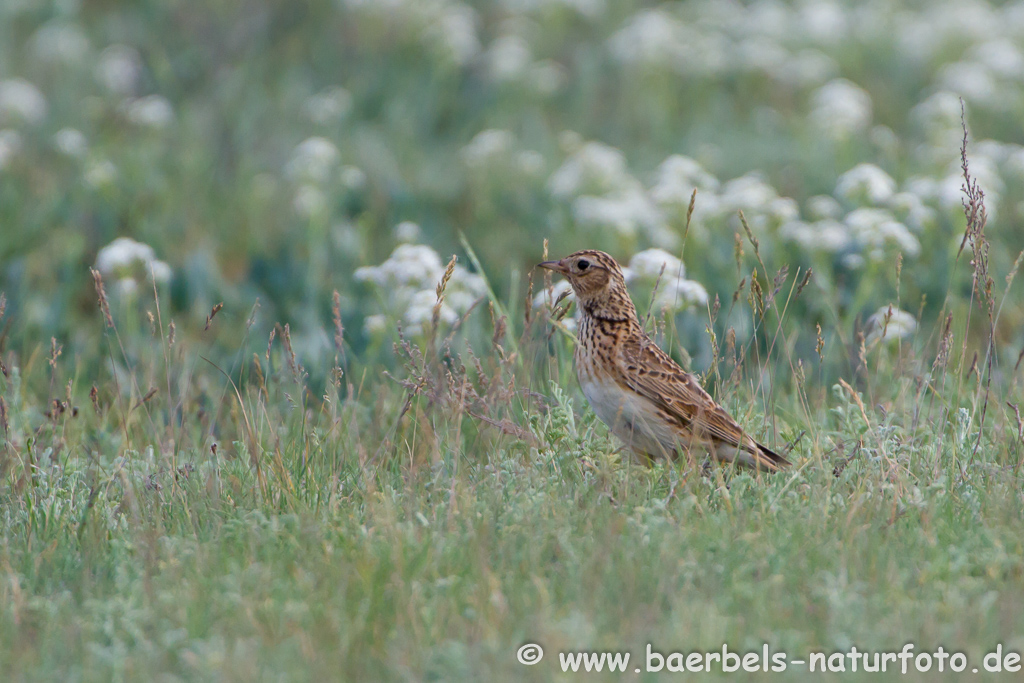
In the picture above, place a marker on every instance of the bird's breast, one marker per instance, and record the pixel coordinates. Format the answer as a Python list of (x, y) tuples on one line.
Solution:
[(616, 405)]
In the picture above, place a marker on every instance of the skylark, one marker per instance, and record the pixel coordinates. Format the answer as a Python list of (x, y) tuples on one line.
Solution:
[(654, 406)]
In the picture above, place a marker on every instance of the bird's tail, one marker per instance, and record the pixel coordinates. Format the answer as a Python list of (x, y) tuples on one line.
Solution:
[(767, 459)]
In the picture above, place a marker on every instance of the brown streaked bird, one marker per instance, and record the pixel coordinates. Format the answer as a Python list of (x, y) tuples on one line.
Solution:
[(654, 406)]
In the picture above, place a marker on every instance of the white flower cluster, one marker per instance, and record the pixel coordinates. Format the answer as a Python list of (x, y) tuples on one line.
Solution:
[(71, 142), (713, 42), (152, 111), (21, 102), (509, 59), (549, 295), (992, 163), (678, 176), (313, 164), (889, 323), (841, 108), (59, 43), (497, 150), (408, 281), (328, 106), (675, 292), (877, 219), (130, 263), (604, 194), (119, 69)]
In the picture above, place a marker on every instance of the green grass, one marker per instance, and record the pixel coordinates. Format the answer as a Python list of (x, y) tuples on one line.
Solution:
[(280, 492), (426, 532)]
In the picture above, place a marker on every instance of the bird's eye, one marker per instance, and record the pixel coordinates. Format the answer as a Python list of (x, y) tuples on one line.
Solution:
[(583, 264)]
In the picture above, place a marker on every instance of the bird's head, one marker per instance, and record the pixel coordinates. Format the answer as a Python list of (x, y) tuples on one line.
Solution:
[(598, 283)]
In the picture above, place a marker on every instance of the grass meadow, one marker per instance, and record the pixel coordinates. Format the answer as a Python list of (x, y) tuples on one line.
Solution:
[(283, 398)]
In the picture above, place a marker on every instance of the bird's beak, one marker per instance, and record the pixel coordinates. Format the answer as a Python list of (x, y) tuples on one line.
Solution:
[(556, 266)]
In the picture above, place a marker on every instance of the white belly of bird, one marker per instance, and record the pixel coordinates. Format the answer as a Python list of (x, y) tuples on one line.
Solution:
[(631, 417)]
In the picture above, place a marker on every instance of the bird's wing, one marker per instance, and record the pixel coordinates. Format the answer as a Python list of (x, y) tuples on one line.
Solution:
[(650, 372)]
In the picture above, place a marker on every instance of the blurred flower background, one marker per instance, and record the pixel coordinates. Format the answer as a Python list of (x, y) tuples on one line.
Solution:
[(282, 150)]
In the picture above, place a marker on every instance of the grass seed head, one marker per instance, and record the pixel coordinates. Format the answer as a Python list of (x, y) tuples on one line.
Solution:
[(101, 294)]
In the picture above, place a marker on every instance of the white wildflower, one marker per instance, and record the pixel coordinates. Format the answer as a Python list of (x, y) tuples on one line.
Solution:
[(530, 162), (152, 111), (595, 168), (985, 173), (57, 42), (927, 189), (352, 177), (486, 147), (547, 77), (647, 265), (1014, 164), (650, 37), (853, 261), (676, 179), (420, 311), (627, 212), (548, 296), (100, 173), (71, 142), (126, 259), (866, 185), (938, 114), (824, 22), (455, 32), (748, 192), (827, 234), (123, 253), (911, 210), (783, 209), (119, 69), (841, 108), (407, 232), (889, 323), (1001, 56), (126, 286), (822, 206), (159, 271), (328, 106), (674, 292), (763, 54), (375, 324), (766, 17), (508, 58), (807, 68), (997, 152), (10, 145), (973, 81), (874, 229), (21, 101), (409, 278), (347, 237), (410, 265), (570, 142), (313, 160), (310, 201), (885, 140)]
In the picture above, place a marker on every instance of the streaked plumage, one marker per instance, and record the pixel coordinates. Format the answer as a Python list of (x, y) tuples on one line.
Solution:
[(654, 406)]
